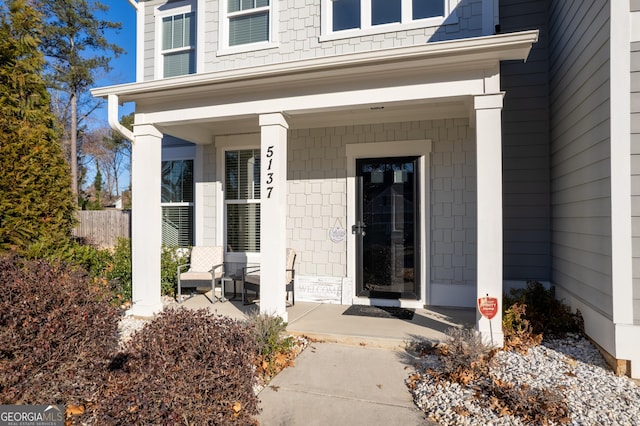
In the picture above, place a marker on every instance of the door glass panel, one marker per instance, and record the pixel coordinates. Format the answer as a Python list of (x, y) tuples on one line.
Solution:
[(388, 219)]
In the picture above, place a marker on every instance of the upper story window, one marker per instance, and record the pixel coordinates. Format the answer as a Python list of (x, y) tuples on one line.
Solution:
[(178, 44), (360, 17), (177, 40), (247, 25), (248, 21)]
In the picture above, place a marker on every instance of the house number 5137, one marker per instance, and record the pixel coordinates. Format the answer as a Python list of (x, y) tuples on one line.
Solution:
[(269, 180)]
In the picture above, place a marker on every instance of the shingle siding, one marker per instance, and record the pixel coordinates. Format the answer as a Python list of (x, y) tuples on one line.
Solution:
[(525, 141), (317, 197), (580, 151), (299, 31)]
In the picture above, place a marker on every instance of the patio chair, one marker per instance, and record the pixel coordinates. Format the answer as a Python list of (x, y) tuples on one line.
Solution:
[(206, 266), (251, 279)]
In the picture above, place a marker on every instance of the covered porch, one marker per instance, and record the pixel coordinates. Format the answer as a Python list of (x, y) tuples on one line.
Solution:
[(328, 323), (311, 122)]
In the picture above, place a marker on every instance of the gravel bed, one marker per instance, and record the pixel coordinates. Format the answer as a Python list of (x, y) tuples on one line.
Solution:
[(571, 366)]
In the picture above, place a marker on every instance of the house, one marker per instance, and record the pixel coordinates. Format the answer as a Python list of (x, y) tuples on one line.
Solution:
[(412, 152)]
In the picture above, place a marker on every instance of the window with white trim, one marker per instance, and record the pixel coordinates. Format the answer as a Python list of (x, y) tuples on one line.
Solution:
[(242, 199), (371, 15), (178, 43), (248, 21), (177, 203)]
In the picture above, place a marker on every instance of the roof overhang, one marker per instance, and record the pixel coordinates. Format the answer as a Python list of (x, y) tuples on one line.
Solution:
[(311, 88), (438, 55)]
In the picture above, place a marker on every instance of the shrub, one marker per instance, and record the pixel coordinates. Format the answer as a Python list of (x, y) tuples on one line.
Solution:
[(119, 275), (273, 347), (92, 259), (466, 359), (465, 356), (184, 367), (518, 333), (531, 405), (268, 331), (57, 333), (546, 314), (170, 259)]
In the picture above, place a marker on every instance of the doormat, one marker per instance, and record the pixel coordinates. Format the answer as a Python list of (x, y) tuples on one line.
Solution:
[(380, 312)]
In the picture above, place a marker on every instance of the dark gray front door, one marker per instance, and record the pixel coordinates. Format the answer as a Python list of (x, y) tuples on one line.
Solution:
[(387, 228)]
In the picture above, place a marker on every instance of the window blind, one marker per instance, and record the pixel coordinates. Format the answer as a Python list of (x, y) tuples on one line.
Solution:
[(242, 174), (249, 28), (243, 227), (177, 226), (180, 63), (177, 188), (178, 32), (242, 199)]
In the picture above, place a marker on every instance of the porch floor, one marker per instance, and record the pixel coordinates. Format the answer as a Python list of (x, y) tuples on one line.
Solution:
[(326, 322)]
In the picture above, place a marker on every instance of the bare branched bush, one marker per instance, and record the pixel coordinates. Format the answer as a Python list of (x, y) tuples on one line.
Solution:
[(518, 332), (184, 367), (58, 331), (531, 405), (465, 356)]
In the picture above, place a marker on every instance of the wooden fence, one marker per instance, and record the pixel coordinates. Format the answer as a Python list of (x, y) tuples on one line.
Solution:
[(103, 227)]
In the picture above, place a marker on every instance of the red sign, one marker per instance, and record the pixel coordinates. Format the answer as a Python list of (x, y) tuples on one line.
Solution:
[(488, 306)]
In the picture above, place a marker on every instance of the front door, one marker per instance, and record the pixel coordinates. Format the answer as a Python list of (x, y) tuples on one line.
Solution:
[(387, 228)]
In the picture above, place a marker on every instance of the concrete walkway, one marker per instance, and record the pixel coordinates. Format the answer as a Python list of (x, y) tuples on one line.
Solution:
[(354, 374), (333, 384)]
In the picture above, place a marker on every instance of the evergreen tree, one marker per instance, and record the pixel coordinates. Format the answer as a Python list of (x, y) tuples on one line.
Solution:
[(36, 202), (97, 187), (76, 48)]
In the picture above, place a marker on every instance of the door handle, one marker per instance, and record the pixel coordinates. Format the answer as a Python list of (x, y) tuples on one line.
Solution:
[(358, 228)]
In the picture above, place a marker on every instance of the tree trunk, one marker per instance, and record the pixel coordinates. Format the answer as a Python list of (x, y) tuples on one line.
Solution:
[(74, 146)]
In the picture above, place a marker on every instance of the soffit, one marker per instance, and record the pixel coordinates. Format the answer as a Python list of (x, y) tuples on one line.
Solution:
[(437, 58)]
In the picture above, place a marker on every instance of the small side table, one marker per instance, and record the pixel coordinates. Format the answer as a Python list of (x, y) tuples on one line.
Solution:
[(223, 281), (233, 278)]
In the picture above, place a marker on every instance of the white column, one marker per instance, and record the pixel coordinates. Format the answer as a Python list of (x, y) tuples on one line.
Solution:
[(146, 223), (273, 214), (488, 110)]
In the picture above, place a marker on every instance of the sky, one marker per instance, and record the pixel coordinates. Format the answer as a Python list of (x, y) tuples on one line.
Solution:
[(123, 67), (123, 71)]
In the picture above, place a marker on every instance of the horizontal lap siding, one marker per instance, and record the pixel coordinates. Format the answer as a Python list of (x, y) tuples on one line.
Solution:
[(580, 151), (525, 140), (149, 38), (635, 174)]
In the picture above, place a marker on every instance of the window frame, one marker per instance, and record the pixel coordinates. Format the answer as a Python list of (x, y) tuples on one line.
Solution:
[(240, 201), (165, 11), (366, 28), (224, 27), (190, 204)]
